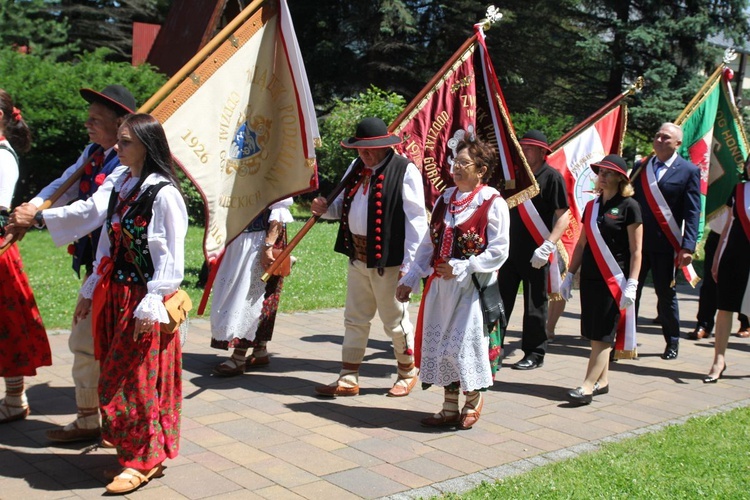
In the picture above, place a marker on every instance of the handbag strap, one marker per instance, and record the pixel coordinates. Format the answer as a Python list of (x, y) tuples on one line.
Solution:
[(476, 284)]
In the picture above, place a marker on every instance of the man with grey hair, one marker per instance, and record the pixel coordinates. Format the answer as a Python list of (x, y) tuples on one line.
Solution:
[(668, 189)]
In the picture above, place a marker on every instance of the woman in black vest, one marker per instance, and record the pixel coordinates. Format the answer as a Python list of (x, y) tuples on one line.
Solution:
[(139, 263)]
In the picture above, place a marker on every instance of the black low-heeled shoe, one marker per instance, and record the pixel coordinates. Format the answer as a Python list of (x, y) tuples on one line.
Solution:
[(713, 380), (599, 390), (576, 396)]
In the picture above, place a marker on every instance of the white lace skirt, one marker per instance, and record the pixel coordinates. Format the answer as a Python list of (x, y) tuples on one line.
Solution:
[(454, 347), (238, 290)]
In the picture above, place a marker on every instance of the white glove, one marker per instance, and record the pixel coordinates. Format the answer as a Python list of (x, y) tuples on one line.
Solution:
[(628, 296), (566, 289), (541, 254)]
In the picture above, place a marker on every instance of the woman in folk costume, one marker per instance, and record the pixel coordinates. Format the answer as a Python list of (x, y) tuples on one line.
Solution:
[(23, 346), (139, 264), (731, 271), (468, 237), (243, 310), (608, 253)]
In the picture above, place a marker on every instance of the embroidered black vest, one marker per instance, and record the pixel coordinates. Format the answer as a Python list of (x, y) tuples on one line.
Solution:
[(129, 238), (84, 249), (386, 221), (469, 237)]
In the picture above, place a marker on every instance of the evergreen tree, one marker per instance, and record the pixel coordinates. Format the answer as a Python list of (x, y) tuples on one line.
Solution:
[(109, 23), (28, 26)]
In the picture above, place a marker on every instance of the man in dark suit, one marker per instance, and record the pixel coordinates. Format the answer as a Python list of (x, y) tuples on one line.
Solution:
[(668, 189)]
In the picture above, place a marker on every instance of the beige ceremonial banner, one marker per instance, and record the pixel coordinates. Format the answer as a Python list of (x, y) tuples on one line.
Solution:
[(242, 125)]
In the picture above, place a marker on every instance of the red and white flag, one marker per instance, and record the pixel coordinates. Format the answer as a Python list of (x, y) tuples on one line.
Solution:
[(464, 97), (242, 125), (593, 139)]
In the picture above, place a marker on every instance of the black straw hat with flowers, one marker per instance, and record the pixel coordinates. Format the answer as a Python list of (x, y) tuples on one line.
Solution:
[(371, 133)]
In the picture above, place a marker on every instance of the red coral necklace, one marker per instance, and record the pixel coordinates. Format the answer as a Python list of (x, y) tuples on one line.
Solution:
[(460, 205)]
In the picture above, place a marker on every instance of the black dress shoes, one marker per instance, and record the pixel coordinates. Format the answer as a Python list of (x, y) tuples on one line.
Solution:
[(529, 363), (670, 352), (599, 390), (577, 397)]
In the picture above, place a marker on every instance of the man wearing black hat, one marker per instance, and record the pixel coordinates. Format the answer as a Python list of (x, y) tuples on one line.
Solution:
[(535, 228), (99, 159), (383, 220)]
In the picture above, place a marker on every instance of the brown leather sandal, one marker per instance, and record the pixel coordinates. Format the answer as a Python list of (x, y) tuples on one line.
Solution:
[(229, 368), (442, 419), (470, 415), (11, 413)]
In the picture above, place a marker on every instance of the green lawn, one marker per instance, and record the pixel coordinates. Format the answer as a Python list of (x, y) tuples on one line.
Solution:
[(318, 280), (707, 457)]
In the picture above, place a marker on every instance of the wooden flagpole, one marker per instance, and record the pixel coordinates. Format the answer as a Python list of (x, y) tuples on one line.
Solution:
[(311, 221)]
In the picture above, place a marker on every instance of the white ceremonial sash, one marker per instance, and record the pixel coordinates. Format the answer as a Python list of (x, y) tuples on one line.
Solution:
[(539, 231), (665, 218), (625, 343)]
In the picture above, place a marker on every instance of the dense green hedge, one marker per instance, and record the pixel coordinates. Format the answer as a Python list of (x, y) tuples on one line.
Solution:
[(47, 94)]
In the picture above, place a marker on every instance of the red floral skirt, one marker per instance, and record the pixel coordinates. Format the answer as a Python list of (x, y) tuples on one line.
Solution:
[(140, 386), (24, 346)]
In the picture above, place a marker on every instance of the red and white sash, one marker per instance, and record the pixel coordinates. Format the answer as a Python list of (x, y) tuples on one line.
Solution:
[(742, 201), (625, 342), (539, 231), (664, 218)]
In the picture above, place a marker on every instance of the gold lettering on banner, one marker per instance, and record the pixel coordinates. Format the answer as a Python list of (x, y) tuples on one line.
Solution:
[(432, 172), (415, 153), (721, 119), (225, 121), (196, 146), (734, 148), (469, 103), (240, 201), (432, 134), (216, 233)]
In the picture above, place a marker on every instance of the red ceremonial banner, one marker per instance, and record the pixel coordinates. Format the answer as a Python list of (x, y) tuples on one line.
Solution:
[(464, 97)]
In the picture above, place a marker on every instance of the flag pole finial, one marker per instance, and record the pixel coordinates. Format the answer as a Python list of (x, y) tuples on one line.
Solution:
[(492, 16), (729, 55), (637, 86)]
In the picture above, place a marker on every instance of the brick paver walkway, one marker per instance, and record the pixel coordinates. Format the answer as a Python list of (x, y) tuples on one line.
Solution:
[(266, 435)]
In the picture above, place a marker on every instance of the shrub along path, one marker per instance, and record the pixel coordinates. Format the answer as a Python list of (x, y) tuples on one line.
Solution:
[(266, 435)]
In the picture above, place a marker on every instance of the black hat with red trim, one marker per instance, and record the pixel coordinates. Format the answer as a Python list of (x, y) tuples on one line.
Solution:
[(371, 133), (611, 162), (535, 138), (116, 97)]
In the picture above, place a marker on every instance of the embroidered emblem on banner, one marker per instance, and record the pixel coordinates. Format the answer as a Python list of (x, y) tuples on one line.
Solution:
[(247, 149)]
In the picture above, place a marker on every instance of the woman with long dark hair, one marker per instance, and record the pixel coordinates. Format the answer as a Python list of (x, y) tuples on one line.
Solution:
[(24, 346), (139, 263)]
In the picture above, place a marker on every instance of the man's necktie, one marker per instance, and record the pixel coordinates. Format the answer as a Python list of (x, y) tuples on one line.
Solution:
[(658, 166)]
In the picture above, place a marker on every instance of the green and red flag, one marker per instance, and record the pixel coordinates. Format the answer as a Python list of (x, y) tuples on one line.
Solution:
[(714, 139)]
